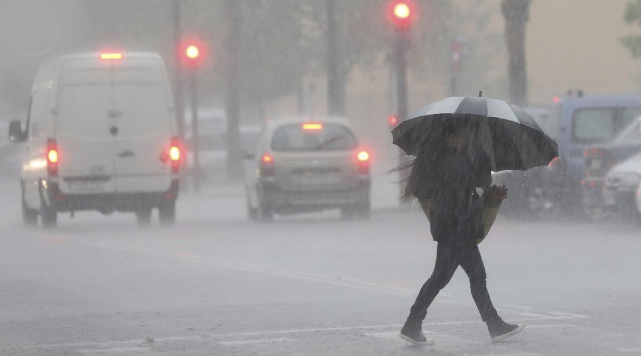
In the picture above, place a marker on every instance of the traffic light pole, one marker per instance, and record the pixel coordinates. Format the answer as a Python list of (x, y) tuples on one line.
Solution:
[(401, 98), (195, 143)]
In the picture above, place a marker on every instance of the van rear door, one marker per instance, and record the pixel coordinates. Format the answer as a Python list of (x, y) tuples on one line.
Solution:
[(85, 144), (144, 135)]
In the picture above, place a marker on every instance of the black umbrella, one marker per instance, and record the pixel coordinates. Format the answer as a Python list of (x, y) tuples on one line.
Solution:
[(512, 139)]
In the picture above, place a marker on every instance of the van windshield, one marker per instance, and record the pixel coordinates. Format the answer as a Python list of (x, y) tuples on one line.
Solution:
[(313, 137), (598, 125)]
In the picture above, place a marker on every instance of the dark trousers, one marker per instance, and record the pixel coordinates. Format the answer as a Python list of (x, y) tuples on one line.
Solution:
[(448, 258)]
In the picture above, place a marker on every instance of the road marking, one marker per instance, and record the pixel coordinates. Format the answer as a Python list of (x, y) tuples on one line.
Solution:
[(255, 341), (630, 350), (116, 351)]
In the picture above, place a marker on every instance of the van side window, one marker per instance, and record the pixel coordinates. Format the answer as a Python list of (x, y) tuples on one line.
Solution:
[(39, 114)]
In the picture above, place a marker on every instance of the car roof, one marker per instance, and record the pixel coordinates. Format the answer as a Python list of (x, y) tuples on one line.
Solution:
[(303, 119)]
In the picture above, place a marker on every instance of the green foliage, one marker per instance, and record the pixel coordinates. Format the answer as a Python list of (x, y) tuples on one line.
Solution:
[(633, 12), (631, 16)]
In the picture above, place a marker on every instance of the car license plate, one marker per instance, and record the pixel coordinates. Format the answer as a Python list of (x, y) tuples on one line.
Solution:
[(596, 164), (86, 185)]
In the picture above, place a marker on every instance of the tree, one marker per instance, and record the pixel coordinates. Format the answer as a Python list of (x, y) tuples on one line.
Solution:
[(631, 16), (516, 13)]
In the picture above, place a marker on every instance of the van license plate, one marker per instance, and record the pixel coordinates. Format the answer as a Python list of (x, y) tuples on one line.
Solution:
[(86, 185)]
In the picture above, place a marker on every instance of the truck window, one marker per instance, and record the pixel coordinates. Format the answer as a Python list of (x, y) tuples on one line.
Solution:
[(597, 125)]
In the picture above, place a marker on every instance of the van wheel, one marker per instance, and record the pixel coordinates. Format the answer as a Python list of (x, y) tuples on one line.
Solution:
[(49, 217), (167, 214), (29, 216), (265, 212), (252, 213), (143, 217)]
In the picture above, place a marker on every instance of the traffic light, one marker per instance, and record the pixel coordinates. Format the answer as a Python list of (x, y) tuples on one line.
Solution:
[(401, 13), (192, 53), (392, 121)]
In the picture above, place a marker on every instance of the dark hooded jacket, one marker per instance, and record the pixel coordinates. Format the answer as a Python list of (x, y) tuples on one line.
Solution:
[(450, 179)]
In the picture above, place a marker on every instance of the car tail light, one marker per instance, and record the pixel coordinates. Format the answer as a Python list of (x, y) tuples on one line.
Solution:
[(174, 154), (52, 158), (553, 162), (267, 165), (363, 162)]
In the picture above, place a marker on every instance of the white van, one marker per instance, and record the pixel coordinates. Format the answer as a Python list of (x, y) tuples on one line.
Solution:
[(100, 135)]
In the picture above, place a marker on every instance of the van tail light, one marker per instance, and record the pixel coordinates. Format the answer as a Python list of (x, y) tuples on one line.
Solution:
[(52, 158), (363, 162), (267, 165), (175, 154)]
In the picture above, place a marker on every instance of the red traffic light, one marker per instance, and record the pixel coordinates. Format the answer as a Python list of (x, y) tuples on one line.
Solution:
[(401, 13), (192, 53), (392, 120)]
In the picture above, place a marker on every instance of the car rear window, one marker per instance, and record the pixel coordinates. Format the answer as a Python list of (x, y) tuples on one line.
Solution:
[(313, 137), (602, 124)]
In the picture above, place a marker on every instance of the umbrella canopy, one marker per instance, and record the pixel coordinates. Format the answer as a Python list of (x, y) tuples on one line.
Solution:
[(510, 137)]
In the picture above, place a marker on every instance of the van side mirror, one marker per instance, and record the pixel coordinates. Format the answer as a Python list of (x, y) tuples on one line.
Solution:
[(15, 132)]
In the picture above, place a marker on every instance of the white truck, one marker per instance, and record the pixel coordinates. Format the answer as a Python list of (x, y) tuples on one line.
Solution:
[(100, 135)]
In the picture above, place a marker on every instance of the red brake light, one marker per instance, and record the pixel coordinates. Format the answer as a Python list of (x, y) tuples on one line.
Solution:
[(554, 162), (362, 159), (174, 153), (52, 157), (312, 126), (109, 56), (267, 165)]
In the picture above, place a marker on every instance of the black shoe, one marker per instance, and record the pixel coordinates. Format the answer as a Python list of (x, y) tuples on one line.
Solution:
[(416, 338), (502, 330), (412, 332)]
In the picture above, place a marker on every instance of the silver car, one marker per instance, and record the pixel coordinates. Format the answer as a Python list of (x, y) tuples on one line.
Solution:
[(302, 165)]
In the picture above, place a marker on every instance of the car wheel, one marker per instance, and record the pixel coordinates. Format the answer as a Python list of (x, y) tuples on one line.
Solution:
[(594, 212), (167, 214), (252, 213), (143, 217), (29, 216), (265, 212), (348, 213), (49, 216), (363, 211)]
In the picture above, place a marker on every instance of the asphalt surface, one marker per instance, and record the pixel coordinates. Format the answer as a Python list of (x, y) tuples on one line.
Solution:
[(216, 284)]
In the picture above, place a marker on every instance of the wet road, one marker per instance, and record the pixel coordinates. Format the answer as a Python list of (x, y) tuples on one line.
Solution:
[(216, 284)]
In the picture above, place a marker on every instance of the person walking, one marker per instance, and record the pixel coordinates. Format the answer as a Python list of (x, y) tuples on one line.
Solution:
[(444, 178)]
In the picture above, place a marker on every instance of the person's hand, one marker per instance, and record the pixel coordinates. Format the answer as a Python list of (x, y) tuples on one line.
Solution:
[(497, 192)]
